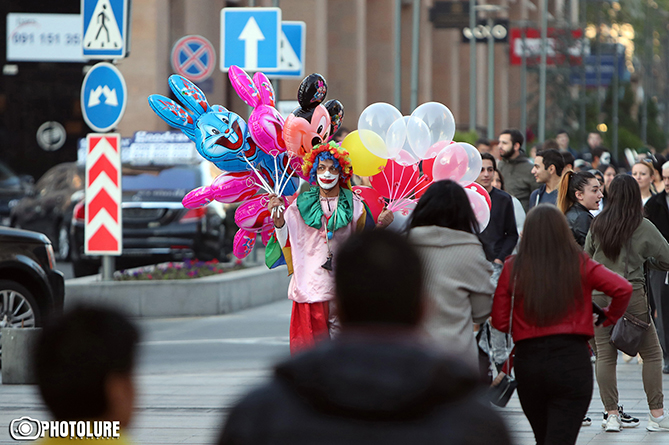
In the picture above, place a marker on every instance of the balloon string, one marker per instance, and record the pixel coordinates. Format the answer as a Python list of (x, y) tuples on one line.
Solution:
[(285, 183), (281, 183), (401, 204), (266, 187), (420, 189), (395, 192), (404, 192), (276, 176)]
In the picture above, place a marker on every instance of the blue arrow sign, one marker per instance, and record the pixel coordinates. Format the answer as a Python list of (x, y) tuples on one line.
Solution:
[(291, 53), (104, 23), (250, 38), (103, 97)]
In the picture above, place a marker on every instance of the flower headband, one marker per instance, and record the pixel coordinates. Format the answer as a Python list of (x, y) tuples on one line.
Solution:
[(339, 154)]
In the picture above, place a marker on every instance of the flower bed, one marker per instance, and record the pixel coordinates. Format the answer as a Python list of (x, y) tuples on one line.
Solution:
[(187, 269)]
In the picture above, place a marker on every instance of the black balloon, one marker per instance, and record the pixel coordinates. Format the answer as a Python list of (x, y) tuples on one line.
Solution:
[(336, 112), (312, 91)]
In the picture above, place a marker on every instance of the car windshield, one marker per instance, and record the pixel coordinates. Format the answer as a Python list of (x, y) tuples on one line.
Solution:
[(8, 177), (176, 178)]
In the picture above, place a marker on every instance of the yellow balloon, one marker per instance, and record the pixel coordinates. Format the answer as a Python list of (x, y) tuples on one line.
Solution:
[(364, 162)]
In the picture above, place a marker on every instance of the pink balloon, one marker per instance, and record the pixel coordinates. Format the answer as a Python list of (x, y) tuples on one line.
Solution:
[(395, 180), (244, 86), (478, 188), (480, 208), (452, 162), (265, 89), (243, 243), (251, 214), (405, 158), (227, 188), (266, 128)]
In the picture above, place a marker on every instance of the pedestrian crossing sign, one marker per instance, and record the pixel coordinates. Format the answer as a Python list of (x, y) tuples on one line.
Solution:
[(104, 28)]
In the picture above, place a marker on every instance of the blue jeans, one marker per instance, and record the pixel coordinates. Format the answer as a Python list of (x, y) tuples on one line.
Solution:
[(555, 383)]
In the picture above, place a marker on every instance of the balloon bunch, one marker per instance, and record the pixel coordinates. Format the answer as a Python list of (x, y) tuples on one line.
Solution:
[(389, 147), (253, 157)]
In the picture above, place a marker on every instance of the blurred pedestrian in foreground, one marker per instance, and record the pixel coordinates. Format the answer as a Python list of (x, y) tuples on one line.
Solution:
[(444, 230), (549, 296), (657, 211), (374, 384), (579, 193), (85, 364), (621, 239)]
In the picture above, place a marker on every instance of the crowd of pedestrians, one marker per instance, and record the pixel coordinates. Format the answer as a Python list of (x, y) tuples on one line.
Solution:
[(386, 328)]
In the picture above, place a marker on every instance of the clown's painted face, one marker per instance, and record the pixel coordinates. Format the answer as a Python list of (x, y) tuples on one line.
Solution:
[(327, 174)]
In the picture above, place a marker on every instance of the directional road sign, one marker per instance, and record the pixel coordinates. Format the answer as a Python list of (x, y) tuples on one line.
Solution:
[(104, 24), (103, 97), (102, 232), (193, 57), (291, 51), (250, 38)]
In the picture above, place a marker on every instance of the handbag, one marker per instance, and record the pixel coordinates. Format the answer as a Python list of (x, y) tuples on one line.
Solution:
[(627, 334), (629, 330), (505, 384)]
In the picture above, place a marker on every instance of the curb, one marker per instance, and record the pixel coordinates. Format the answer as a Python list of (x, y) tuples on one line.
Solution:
[(212, 295)]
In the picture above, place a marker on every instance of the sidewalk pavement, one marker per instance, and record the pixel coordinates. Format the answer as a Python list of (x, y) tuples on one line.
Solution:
[(190, 408)]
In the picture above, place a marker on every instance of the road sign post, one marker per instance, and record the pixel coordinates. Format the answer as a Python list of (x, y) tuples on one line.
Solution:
[(103, 217)]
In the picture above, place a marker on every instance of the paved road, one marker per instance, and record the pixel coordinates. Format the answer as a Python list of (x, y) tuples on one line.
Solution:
[(191, 371)]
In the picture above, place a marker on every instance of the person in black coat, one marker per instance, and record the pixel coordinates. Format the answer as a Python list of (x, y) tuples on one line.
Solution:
[(501, 236), (578, 194), (375, 383), (657, 211)]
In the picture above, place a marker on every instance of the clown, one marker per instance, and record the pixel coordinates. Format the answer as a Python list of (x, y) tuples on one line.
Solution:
[(309, 232)]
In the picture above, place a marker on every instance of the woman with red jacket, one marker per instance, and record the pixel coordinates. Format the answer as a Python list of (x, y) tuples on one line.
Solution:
[(550, 282)]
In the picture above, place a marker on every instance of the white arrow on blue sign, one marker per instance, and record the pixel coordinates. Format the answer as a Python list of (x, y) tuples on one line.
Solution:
[(291, 52), (250, 38), (103, 97)]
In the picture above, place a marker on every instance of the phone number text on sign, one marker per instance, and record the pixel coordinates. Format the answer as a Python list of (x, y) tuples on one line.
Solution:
[(44, 37)]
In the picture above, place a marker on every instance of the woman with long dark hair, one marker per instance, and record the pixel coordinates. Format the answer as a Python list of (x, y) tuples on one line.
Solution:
[(623, 240), (578, 194), (445, 231), (547, 288)]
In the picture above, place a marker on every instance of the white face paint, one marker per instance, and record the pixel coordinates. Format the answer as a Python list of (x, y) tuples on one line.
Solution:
[(327, 180)]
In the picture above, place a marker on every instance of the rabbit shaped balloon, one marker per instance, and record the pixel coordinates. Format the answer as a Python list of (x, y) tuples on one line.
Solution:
[(220, 136)]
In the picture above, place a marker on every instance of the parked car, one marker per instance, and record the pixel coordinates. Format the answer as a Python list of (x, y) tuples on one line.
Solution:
[(48, 209), (12, 189), (31, 289), (155, 225)]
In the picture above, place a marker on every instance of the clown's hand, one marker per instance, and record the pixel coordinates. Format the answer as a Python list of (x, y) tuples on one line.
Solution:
[(276, 208), (385, 219)]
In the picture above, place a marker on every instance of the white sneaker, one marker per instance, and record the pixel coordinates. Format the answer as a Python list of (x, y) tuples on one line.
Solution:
[(613, 424), (658, 423)]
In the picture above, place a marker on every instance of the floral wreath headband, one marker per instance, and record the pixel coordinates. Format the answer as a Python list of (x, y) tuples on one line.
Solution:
[(335, 151)]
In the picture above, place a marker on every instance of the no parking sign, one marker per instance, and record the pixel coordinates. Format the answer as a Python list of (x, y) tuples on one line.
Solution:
[(194, 58)]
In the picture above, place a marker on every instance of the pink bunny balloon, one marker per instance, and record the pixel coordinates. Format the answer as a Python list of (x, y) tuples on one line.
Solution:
[(227, 188), (265, 123), (243, 243)]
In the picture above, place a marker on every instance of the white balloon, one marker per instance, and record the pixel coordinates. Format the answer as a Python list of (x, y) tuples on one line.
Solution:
[(480, 208), (439, 120), (396, 138), (377, 118), (418, 137), (474, 165)]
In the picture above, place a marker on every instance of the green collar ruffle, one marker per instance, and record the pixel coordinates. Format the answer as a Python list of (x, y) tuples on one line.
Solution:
[(309, 205)]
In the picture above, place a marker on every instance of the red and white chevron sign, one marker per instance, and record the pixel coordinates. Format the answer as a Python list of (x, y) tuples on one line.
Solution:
[(102, 234)]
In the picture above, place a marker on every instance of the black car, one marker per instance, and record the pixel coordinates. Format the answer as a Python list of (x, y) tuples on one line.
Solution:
[(156, 227), (48, 209), (12, 188), (30, 288)]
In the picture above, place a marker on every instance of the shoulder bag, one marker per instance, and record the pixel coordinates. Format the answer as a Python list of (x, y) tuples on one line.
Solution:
[(505, 384)]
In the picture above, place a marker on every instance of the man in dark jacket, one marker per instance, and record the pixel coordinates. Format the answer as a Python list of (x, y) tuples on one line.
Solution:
[(516, 167), (501, 235), (374, 384), (547, 171), (657, 211)]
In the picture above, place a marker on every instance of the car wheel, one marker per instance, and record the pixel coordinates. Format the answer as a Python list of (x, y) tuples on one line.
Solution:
[(82, 268), (18, 307), (63, 242)]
